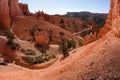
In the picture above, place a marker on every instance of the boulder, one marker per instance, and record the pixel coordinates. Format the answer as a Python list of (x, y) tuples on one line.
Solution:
[(41, 37)]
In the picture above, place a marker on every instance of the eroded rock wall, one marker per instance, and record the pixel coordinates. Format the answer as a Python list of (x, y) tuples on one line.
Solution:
[(8, 10), (113, 19), (4, 14), (24, 8)]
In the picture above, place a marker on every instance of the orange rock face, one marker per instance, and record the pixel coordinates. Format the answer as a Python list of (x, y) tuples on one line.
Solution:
[(115, 8), (4, 14), (107, 26), (112, 22), (90, 38), (8, 10), (41, 37), (14, 8), (24, 8)]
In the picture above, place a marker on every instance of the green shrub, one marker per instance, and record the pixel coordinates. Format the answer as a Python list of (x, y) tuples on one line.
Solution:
[(9, 42), (36, 27), (63, 48), (39, 59), (48, 57), (29, 60), (9, 35), (15, 46), (71, 44), (52, 56), (86, 32), (28, 51)]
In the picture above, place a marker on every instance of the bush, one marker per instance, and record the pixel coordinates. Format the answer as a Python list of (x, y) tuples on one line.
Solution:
[(36, 27), (86, 32), (47, 57), (29, 60), (52, 56), (9, 35), (39, 59), (63, 48), (28, 51), (15, 46), (71, 44)]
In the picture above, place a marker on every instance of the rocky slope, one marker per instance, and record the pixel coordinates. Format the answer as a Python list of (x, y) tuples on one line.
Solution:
[(96, 61), (22, 26), (18, 17), (69, 24)]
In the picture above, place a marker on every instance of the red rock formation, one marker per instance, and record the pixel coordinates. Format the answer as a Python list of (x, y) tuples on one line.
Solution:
[(69, 24), (108, 24), (90, 38), (112, 20), (8, 10), (24, 8), (41, 37), (4, 14), (14, 8), (115, 8), (39, 14)]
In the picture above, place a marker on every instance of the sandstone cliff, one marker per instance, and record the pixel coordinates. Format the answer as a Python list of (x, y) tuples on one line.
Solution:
[(8, 10), (4, 14), (108, 23), (112, 22), (14, 8), (115, 8), (24, 8)]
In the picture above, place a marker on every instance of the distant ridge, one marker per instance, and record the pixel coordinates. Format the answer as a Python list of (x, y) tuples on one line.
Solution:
[(99, 18)]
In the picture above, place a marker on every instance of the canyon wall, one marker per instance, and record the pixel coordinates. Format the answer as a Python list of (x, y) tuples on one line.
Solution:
[(8, 10), (4, 14), (24, 8), (14, 8), (115, 8), (113, 19)]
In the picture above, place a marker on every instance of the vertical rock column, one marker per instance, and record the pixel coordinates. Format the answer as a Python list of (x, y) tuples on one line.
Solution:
[(9, 9), (14, 9), (4, 14), (116, 18)]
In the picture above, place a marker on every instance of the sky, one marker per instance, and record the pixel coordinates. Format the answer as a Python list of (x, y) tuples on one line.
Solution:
[(63, 6)]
